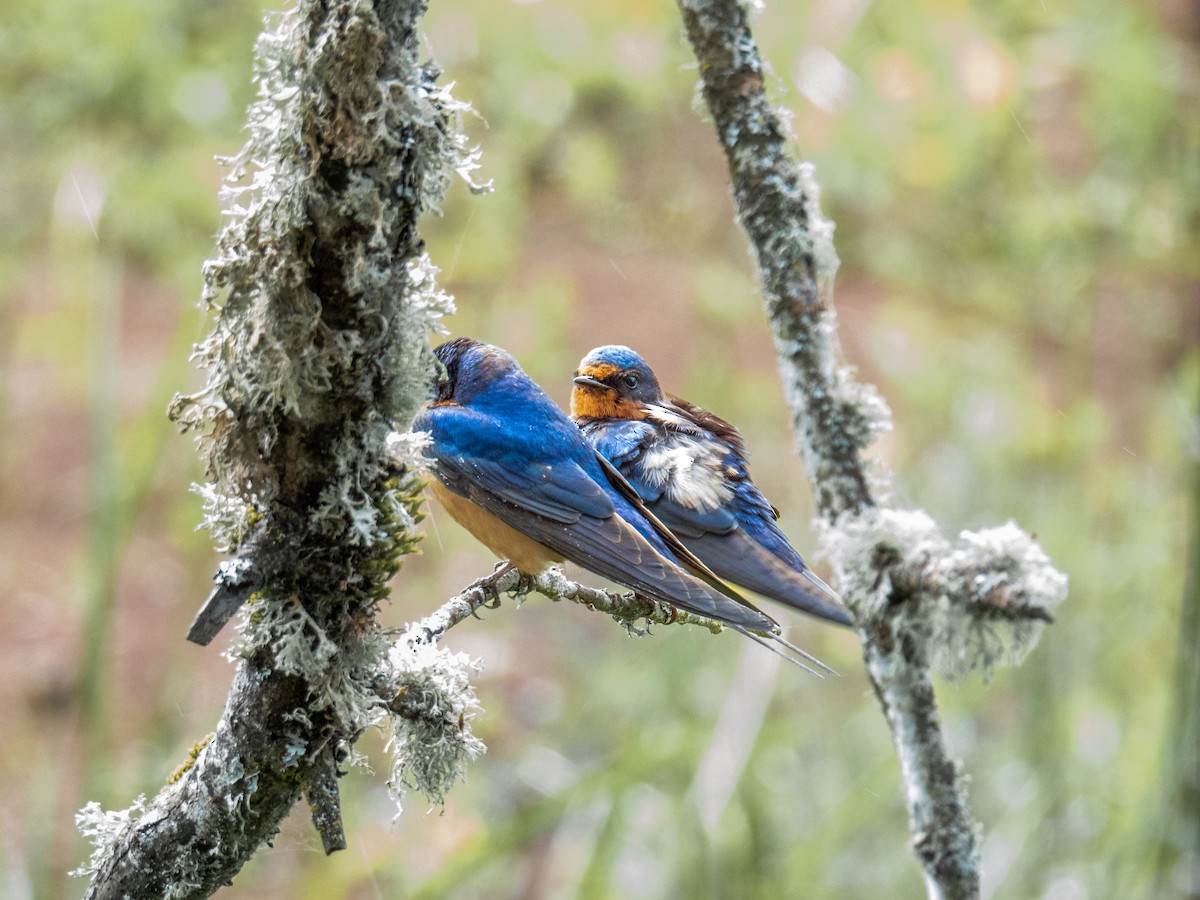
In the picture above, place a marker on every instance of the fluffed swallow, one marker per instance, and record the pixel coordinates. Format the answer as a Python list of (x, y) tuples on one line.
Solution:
[(690, 469), (516, 472)]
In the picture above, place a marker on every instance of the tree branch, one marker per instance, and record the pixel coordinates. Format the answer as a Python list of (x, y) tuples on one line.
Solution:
[(324, 800), (626, 608), (427, 688), (159, 850), (918, 599), (323, 303)]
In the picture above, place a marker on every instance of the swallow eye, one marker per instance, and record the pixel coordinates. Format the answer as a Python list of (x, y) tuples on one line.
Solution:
[(631, 380)]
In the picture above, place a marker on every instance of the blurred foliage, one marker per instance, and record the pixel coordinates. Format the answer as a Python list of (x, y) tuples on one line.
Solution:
[(1016, 190)]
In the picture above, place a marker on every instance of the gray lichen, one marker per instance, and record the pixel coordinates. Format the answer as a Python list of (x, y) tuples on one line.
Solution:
[(432, 741), (341, 103), (104, 830), (999, 591), (978, 602), (323, 301)]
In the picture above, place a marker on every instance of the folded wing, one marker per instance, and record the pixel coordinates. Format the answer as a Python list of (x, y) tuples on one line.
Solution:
[(554, 501), (739, 540)]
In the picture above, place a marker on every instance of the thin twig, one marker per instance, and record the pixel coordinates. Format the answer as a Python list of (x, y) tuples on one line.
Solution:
[(324, 801), (627, 608)]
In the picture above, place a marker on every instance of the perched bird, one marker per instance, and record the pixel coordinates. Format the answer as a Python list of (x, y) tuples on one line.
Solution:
[(516, 473), (690, 469)]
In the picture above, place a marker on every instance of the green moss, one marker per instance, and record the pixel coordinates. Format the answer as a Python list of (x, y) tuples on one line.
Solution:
[(192, 756), (398, 520)]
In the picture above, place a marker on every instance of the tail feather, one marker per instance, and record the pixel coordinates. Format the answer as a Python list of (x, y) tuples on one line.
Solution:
[(739, 558), (770, 643)]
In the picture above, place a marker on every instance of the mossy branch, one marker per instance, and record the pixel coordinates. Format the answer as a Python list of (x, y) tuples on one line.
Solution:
[(918, 599), (626, 608), (323, 303)]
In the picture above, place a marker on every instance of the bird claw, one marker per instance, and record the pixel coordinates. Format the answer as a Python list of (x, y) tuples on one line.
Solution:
[(526, 584), (634, 631)]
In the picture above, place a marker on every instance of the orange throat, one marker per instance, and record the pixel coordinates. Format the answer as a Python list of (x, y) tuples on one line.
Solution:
[(602, 403)]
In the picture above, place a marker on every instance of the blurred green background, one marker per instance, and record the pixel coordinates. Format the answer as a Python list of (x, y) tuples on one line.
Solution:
[(1015, 187)]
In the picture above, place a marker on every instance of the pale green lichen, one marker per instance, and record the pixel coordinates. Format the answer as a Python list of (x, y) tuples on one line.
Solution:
[(819, 237), (276, 352), (979, 602), (865, 551), (407, 449), (340, 675), (432, 741), (321, 336), (104, 830), (323, 302), (1008, 587), (872, 414)]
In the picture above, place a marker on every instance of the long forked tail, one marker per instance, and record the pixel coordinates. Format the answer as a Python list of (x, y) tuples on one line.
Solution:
[(770, 641)]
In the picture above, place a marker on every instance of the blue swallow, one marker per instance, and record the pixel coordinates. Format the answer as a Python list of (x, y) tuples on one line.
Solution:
[(516, 472), (689, 467)]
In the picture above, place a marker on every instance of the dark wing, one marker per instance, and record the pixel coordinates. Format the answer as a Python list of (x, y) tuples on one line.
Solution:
[(738, 540), (753, 553), (744, 561), (690, 561), (689, 522), (730, 539), (554, 501)]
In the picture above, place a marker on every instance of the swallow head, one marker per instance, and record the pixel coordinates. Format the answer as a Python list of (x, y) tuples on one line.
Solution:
[(613, 382), (467, 368)]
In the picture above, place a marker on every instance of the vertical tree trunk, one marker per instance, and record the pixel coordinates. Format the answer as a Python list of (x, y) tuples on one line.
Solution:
[(320, 346)]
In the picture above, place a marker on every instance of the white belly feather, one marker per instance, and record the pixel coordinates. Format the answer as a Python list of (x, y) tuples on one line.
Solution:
[(689, 469)]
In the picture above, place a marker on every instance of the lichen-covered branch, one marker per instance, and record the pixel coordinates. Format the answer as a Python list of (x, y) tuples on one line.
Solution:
[(323, 303), (427, 688), (833, 417), (627, 608), (919, 599)]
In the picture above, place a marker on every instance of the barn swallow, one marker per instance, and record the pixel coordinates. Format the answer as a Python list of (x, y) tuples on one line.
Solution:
[(690, 469), (516, 472)]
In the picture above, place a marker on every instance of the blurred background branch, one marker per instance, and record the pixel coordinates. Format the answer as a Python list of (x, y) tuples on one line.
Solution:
[(901, 559)]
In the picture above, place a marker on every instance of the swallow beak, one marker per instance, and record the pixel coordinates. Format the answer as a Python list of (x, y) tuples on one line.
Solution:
[(589, 381)]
